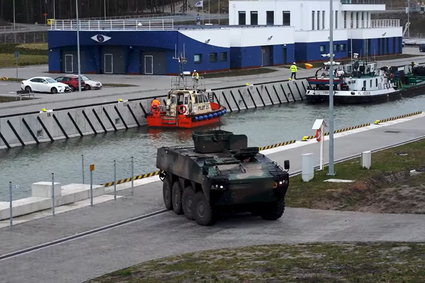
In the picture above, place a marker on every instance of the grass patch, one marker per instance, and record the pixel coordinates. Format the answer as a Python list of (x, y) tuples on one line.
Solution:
[(29, 54), (351, 262), (236, 73), (388, 181)]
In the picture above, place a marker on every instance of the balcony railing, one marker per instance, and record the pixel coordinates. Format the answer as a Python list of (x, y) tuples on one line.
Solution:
[(384, 23), (122, 24), (363, 2)]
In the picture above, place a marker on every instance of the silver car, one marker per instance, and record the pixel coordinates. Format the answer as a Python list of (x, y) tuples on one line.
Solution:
[(44, 84)]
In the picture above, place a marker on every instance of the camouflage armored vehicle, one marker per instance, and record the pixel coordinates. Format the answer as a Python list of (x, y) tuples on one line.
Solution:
[(221, 172)]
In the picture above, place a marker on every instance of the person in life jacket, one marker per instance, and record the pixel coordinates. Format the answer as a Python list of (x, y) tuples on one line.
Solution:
[(195, 78), (155, 104), (293, 69)]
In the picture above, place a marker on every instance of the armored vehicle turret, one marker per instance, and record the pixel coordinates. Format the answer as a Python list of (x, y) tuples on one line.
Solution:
[(219, 172)]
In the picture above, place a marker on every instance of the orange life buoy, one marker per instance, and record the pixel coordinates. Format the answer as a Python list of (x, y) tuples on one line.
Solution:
[(181, 108), (317, 135)]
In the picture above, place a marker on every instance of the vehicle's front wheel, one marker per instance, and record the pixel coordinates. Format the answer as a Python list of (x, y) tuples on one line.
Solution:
[(202, 210), (273, 211), (54, 90), (187, 202), (166, 194), (177, 198), (28, 89), (72, 88), (87, 87)]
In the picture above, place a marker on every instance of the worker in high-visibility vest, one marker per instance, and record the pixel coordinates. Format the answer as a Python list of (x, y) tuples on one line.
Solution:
[(155, 104), (293, 69)]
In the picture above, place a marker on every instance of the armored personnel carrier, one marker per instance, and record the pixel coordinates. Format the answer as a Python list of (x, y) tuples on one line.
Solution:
[(221, 172)]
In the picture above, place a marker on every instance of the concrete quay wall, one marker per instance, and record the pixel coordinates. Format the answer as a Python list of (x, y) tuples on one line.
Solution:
[(49, 125)]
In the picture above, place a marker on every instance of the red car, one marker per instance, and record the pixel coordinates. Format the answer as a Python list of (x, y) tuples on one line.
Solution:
[(72, 81)]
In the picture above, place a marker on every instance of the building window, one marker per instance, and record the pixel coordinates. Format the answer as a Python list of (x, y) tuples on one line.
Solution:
[(335, 47), (342, 47), (323, 19), (270, 18), (312, 20), (352, 20), (322, 49), (357, 19), (197, 58), (212, 57), (286, 18), (318, 20), (223, 56), (254, 18), (242, 18), (345, 19), (336, 19), (362, 19)]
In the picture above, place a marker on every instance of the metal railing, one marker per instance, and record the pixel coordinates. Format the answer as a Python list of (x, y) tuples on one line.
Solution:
[(122, 24), (373, 2), (384, 23)]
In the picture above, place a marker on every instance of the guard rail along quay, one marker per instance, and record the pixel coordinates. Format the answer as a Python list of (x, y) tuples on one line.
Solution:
[(48, 125)]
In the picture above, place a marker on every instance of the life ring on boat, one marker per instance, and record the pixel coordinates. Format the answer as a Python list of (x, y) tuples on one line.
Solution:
[(317, 135), (181, 108), (154, 108)]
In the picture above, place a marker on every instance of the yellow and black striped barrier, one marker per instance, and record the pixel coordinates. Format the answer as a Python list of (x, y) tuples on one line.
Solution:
[(276, 145), (138, 177), (306, 138), (4, 78), (397, 117)]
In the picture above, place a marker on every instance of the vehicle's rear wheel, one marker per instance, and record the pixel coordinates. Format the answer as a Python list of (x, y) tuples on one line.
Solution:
[(202, 210), (54, 90), (187, 202), (273, 211), (177, 198), (166, 194), (72, 88), (28, 89)]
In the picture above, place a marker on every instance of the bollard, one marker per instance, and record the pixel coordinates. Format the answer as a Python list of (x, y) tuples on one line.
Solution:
[(132, 176), (53, 194), (10, 205), (115, 180), (91, 184), (366, 159), (307, 167), (82, 166)]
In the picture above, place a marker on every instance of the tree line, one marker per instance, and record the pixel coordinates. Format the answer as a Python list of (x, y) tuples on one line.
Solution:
[(31, 11)]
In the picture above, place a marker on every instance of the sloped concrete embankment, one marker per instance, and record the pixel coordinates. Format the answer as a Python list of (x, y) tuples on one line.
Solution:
[(49, 125)]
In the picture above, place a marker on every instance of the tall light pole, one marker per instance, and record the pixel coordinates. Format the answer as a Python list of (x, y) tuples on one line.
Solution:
[(408, 18), (78, 46), (331, 170), (14, 15), (104, 9), (54, 9)]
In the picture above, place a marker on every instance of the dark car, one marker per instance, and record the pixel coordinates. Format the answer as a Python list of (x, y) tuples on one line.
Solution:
[(72, 81)]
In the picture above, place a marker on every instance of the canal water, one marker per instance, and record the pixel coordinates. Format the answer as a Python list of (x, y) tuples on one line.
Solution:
[(264, 126)]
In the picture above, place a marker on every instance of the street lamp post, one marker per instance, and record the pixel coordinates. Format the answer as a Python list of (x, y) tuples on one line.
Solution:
[(78, 46), (54, 9), (14, 15), (104, 9), (331, 170)]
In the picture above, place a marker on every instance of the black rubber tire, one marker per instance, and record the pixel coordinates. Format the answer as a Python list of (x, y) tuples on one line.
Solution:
[(202, 210), (28, 89), (87, 87), (166, 194), (273, 211), (187, 202), (176, 198), (54, 90), (72, 88)]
